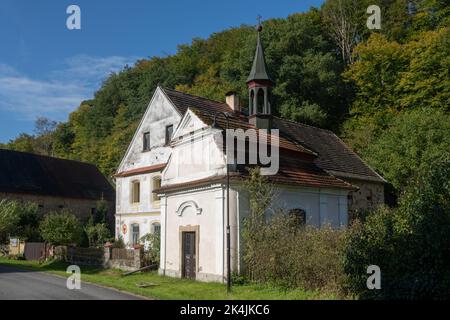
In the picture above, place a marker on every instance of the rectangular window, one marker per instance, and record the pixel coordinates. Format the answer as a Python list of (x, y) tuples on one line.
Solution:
[(146, 141), (156, 185), (169, 132), (134, 234), (136, 192), (156, 229)]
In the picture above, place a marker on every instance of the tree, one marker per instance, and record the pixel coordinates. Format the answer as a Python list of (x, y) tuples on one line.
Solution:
[(24, 143), (344, 21), (61, 228), (391, 78), (413, 141), (260, 198), (44, 139), (20, 220), (409, 243), (97, 234)]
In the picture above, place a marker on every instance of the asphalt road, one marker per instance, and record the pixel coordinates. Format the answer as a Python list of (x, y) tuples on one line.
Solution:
[(29, 285)]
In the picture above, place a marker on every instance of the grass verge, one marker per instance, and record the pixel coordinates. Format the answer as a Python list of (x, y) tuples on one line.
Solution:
[(167, 288)]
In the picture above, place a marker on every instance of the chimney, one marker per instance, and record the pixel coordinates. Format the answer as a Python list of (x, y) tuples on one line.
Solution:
[(232, 100)]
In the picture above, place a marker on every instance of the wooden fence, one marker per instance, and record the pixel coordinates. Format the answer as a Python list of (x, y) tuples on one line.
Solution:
[(37, 250)]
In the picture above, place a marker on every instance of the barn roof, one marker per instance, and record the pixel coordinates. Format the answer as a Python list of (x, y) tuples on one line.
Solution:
[(46, 176)]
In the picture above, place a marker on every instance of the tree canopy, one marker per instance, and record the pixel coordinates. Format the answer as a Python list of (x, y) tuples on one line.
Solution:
[(358, 90)]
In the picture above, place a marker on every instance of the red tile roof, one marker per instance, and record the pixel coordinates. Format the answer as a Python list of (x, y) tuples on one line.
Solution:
[(309, 156), (134, 172), (183, 101)]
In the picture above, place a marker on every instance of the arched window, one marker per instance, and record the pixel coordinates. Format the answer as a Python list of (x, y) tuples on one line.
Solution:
[(135, 191), (298, 216), (260, 101), (251, 102), (135, 234), (156, 184)]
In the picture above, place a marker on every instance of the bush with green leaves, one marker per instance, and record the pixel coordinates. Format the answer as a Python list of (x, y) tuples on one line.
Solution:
[(97, 234), (119, 243), (61, 228), (20, 220), (154, 247), (410, 243), (279, 250)]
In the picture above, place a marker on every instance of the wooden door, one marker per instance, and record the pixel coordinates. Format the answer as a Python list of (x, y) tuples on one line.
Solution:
[(189, 255)]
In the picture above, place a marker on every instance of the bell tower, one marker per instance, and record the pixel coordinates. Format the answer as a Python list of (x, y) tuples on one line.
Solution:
[(259, 87)]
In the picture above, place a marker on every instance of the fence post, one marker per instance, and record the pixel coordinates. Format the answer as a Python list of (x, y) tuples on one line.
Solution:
[(138, 257), (107, 255)]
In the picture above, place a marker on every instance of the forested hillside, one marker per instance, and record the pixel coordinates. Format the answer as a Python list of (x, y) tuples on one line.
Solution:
[(387, 92)]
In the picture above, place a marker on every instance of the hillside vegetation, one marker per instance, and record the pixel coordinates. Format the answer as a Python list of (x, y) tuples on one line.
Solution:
[(387, 92)]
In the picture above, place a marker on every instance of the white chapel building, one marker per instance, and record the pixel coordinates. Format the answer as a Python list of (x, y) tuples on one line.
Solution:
[(160, 189)]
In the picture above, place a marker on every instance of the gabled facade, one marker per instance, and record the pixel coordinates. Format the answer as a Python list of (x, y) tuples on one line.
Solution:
[(139, 173), (137, 207)]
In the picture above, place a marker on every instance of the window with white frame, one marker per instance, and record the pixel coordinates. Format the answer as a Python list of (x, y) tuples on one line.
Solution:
[(156, 184), (135, 192), (135, 234), (156, 228), (146, 141), (169, 133)]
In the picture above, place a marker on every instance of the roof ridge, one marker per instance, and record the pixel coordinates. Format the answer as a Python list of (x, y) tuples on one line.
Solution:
[(48, 157), (194, 96), (304, 124)]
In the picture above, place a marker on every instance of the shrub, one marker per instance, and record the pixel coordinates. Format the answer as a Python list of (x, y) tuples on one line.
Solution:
[(279, 250), (97, 234), (19, 219), (410, 243), (61, 228), (101, 212), (154, 246), (297, 256), (119, 243)]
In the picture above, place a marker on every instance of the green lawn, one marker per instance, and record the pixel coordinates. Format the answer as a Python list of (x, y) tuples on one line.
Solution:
[(169, 288)]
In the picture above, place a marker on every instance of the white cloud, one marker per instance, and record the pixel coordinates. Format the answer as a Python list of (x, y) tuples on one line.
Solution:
[(58, 92)]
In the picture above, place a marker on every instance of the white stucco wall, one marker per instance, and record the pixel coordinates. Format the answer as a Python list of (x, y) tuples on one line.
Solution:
[(124, 203), (205, 211), (145, 222), (195, 154), (160, 113), (323, 207)]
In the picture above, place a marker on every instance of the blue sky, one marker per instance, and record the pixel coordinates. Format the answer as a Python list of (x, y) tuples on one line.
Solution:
[(47, 70)]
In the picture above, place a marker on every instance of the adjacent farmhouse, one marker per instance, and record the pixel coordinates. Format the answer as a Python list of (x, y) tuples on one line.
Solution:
[(54, 184), (161, 190)]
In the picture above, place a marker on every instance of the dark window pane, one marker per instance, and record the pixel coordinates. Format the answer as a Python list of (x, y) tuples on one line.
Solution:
[(299, 216), (169, 132), (146, 142), (135, 234)]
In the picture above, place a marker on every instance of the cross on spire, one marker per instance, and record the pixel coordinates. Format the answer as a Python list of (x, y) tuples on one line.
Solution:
[(259, 27)]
